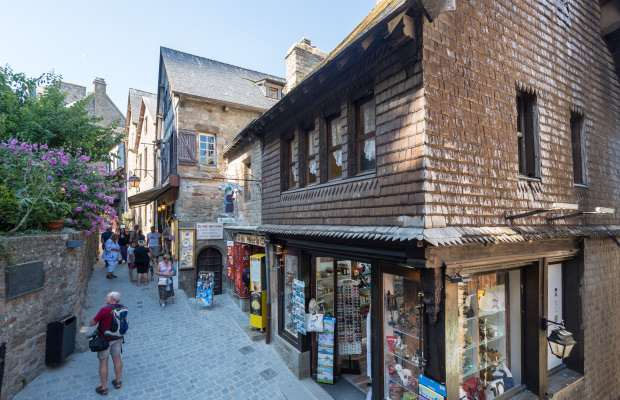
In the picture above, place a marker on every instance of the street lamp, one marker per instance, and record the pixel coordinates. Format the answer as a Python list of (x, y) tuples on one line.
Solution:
[(134, 181), (560, 340)]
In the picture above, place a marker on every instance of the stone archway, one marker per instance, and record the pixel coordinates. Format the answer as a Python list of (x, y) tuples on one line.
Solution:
[(210, 259)]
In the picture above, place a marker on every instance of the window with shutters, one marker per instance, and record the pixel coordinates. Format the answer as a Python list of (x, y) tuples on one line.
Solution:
[(576, 129), (207, 150), (365, 132), (187, 146), (334, 148), (527, 135)]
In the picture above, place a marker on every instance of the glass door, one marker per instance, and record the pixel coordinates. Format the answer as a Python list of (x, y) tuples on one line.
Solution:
[(403, 351)]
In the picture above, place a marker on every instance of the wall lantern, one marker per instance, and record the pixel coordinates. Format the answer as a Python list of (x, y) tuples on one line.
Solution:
[(163, 206), (560, 340), (158, 208), (134, 181)]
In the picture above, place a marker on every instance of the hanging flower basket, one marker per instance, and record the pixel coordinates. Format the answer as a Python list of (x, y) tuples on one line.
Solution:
[(54, 226)]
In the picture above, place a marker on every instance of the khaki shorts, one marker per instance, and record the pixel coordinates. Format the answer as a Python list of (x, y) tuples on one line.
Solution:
[(114, 349)]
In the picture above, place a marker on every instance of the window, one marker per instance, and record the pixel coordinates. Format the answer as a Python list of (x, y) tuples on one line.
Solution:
[(334, 150), (247, 176), (272, 93), (489, 334), (290, 274), (146, 160), (289, 166), (312, 159), (207, 150), (527, 135), (365, 132), (576, 127)]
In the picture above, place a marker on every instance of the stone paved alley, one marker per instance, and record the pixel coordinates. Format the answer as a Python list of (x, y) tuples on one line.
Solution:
[(179, 353)]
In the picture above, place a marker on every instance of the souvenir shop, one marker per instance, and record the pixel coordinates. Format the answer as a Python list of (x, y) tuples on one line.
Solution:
[(353, 293), (241, 244)]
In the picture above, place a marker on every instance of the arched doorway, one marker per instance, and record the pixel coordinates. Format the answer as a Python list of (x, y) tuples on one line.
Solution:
[(210, 259)]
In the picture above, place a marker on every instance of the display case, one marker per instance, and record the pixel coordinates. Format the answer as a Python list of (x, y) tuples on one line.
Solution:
[(328, 273), (402, 327), (290, 274), (483, 346)]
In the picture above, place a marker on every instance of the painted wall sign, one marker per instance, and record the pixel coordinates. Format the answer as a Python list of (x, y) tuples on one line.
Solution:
[(186, 248), (250, 239), (208, 231)]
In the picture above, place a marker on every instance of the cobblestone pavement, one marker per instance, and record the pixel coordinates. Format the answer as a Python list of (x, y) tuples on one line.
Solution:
[(178, 353)]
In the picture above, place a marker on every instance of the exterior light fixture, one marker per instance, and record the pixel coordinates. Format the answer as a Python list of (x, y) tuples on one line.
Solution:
[(163, 206), (134, 181), (597, 211), (158, 208), (554, 207), (560, 340)]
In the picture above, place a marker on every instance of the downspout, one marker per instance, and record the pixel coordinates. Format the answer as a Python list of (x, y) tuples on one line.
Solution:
[(267, 267)]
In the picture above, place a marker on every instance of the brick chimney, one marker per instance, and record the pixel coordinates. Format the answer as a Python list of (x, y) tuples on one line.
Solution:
[(301, 59)]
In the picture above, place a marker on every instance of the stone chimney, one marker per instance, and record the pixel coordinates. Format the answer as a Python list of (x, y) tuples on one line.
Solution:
[(301, 59), (100, 85)]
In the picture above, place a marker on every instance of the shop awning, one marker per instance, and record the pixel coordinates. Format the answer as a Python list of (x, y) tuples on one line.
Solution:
[(148, 196), (447, 236)]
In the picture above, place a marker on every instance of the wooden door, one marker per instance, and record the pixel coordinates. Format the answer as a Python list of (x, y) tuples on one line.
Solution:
[(210, 260)]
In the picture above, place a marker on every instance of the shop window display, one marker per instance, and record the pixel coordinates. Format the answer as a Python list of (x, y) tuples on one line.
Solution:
[(290, 274), (488, 360), (402, 327)]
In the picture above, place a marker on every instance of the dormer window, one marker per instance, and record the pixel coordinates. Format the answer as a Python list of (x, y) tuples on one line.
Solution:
[(271, 88), (273, 93)]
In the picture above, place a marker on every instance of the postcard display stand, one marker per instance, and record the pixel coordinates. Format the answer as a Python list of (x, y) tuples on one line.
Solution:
[(325, 370), (349, 324)]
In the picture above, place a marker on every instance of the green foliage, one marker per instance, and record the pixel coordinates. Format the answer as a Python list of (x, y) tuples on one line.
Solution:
[(45, 118), (6, 255), (9, 208), (127, 219)]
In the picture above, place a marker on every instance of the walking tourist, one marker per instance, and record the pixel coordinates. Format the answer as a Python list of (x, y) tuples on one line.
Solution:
[(104, 320), (105, 236), (131, 262), (142, 258), (133, 235), (153, 242), (164, 287), (110, 254), (123, 240)]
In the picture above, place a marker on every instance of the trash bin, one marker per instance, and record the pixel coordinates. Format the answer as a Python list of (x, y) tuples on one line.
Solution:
[(60, 342)]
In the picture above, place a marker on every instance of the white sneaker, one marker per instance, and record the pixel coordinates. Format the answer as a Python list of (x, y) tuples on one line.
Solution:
[(163, 306)]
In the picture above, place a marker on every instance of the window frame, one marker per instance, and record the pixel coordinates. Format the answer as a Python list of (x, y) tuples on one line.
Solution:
[(577, 124), (311, 157), (331, 149), (247, 176), (206, 157), (361, 136), (528, 141), (288, 163)]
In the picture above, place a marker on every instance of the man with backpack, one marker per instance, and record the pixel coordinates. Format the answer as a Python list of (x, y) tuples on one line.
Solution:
[(112, 324)]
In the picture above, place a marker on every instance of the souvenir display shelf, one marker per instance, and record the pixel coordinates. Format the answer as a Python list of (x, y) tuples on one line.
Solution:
[(482, 335), (325, 290), (349, 321)]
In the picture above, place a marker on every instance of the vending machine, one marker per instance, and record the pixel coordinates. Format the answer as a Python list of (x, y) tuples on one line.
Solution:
[(258, 294)]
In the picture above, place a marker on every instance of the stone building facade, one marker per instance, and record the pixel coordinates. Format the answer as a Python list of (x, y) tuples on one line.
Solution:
[(468, 151)]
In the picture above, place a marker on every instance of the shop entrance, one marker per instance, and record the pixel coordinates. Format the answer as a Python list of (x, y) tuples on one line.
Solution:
[(210, 259), (342, 290)]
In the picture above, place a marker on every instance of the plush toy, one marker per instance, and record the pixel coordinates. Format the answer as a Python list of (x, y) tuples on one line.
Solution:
[(312, 307)]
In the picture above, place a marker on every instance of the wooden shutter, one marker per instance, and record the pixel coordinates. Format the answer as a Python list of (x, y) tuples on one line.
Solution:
[(187, 146)]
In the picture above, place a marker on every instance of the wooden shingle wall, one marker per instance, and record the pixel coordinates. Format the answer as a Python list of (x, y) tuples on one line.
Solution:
[(602, 318), (395, 190), (474, 60)]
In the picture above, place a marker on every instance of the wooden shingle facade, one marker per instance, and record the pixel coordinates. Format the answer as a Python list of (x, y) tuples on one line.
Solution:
[(487, 120)]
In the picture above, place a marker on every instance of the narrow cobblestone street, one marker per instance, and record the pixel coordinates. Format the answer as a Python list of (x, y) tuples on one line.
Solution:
[(179, 353)]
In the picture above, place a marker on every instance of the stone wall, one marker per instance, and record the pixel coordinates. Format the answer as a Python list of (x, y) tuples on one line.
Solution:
[(24, 319)]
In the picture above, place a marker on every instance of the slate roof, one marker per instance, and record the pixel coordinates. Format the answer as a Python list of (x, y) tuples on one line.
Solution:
[(202, 77), (151, 103), (135, 99), (443, 236)]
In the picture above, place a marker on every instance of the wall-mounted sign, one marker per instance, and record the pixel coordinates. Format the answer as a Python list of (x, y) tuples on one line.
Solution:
[(230, 262), (209, 231), (23, 278), (430, 390), (229, 220), (250, 239), (186, 248)]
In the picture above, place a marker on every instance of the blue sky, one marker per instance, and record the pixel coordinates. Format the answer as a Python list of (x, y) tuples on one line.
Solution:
[(119, 41)]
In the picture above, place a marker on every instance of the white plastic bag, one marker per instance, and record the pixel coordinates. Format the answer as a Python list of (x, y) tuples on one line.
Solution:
[(314, 322)]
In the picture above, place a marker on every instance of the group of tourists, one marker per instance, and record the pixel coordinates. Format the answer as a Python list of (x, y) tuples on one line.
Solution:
[(140, 253)]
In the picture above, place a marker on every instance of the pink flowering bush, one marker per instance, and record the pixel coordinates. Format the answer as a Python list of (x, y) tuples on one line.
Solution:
[(51, 184)]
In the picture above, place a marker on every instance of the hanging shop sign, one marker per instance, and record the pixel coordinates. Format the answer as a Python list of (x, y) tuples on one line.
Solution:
[(230, 258), (430, 390), (325, 367), (209, 231), (250, 239), (299, 306), (186, 249)]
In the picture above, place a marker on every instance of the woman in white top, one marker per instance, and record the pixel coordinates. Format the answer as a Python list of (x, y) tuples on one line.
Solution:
[(164, 272), (110, 254)]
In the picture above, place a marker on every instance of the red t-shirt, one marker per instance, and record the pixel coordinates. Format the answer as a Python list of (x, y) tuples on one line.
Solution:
[(105, 318)]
